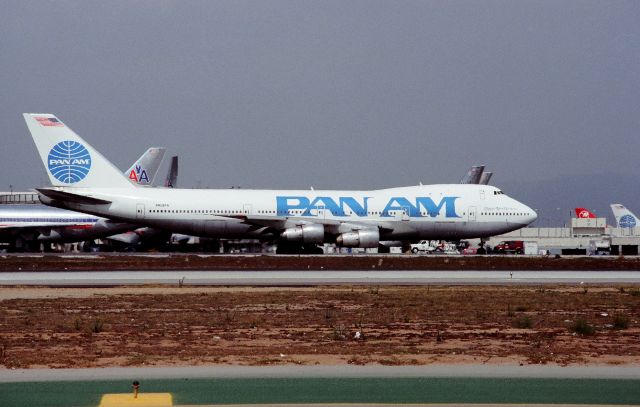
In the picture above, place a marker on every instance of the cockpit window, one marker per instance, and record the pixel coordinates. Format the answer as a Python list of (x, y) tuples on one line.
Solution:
[(498, 193)]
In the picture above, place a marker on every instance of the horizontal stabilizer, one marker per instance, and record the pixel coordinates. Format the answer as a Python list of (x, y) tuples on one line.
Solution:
[(70, 197)]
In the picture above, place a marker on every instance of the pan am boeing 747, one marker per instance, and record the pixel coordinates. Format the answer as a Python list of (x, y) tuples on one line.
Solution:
[(84, 180)]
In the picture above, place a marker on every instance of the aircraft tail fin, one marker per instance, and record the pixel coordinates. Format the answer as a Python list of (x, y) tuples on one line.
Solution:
[(172, 176), (68, 159), (143, 172), (485, 177), (473, 175), (584, 213), (624, 217)]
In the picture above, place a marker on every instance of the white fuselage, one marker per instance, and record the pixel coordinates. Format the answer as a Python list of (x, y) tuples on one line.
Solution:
[(448, 211), (42, 223)]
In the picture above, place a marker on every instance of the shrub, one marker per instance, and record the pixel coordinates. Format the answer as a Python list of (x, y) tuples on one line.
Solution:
[(510, 312), (339, 333), (96, 326), (620, 322), (523, 322), (582, 327)]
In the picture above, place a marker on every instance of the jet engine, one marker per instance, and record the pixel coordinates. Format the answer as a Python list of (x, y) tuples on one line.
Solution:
[(359, 238), (312, 233)]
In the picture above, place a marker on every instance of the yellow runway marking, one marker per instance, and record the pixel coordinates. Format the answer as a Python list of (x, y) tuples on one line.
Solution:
[(144, 399)]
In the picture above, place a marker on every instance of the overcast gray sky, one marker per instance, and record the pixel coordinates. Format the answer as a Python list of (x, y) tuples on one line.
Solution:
[(334, 94)]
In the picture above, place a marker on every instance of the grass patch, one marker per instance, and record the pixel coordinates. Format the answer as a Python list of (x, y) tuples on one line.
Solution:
[(96, 326), (620, 322), (582, 327), (523, 322)]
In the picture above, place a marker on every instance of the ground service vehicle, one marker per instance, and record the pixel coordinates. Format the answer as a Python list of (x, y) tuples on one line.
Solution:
[(422, 246), (509, 247)]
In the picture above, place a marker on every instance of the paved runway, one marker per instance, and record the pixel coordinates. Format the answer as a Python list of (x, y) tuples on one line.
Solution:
[(337, 371), (331, 385), (311, 278)]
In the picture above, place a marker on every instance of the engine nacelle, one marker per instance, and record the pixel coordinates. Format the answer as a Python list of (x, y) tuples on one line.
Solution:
[(360, 238), (312, 233)]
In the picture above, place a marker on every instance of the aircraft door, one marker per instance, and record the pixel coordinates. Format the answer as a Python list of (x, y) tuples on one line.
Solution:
[(319, 212), (246, 209), (404, 213), (472, 213), (139, 211)]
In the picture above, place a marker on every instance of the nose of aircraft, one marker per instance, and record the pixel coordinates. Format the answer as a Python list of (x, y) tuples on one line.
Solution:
[(531, 215)]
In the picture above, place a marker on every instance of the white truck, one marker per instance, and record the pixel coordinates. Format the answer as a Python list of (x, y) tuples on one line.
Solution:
[(433, 246)]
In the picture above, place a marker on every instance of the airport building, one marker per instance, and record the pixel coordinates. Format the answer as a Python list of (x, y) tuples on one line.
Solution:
[(583, 236), (18, 198)]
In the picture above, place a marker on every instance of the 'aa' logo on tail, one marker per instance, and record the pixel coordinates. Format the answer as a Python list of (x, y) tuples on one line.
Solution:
[(69, 162)]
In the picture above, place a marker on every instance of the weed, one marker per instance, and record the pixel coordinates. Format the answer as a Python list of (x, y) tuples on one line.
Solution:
[(620, 322), (510, 312), (521, 308), (582, 327), (229, 316), (96, 326), (328, 314), (523, 322), (374, 290), (635, 293), (621, 289), (77, 324), (339, 333), (181, 282)]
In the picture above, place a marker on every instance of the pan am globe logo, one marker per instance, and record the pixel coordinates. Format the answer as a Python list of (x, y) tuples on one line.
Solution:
[(627, 221), (69, 162)]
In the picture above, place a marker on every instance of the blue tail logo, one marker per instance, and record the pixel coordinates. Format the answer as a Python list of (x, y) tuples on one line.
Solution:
[(69, 162), (627, 221)]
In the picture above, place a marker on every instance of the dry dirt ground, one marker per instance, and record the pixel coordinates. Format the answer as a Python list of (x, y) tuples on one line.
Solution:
[(169, 326)]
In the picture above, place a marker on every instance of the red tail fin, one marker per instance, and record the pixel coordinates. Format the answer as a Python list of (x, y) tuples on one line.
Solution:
[(584, 213)]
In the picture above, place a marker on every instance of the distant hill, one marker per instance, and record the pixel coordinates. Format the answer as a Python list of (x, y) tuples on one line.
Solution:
[(595, 192)]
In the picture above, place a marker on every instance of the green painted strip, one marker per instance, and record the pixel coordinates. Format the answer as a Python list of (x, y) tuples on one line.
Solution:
[(323, 390)]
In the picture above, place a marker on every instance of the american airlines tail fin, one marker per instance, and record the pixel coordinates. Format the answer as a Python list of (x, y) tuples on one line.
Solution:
[(172, 175), (143, 172), (68, 159), (584, 213), (624, 217)]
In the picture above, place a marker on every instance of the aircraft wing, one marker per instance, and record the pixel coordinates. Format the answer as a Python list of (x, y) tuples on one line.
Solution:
[(333, 226)]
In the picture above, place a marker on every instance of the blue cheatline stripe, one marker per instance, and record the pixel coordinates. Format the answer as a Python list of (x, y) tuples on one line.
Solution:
[(54, 220)]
